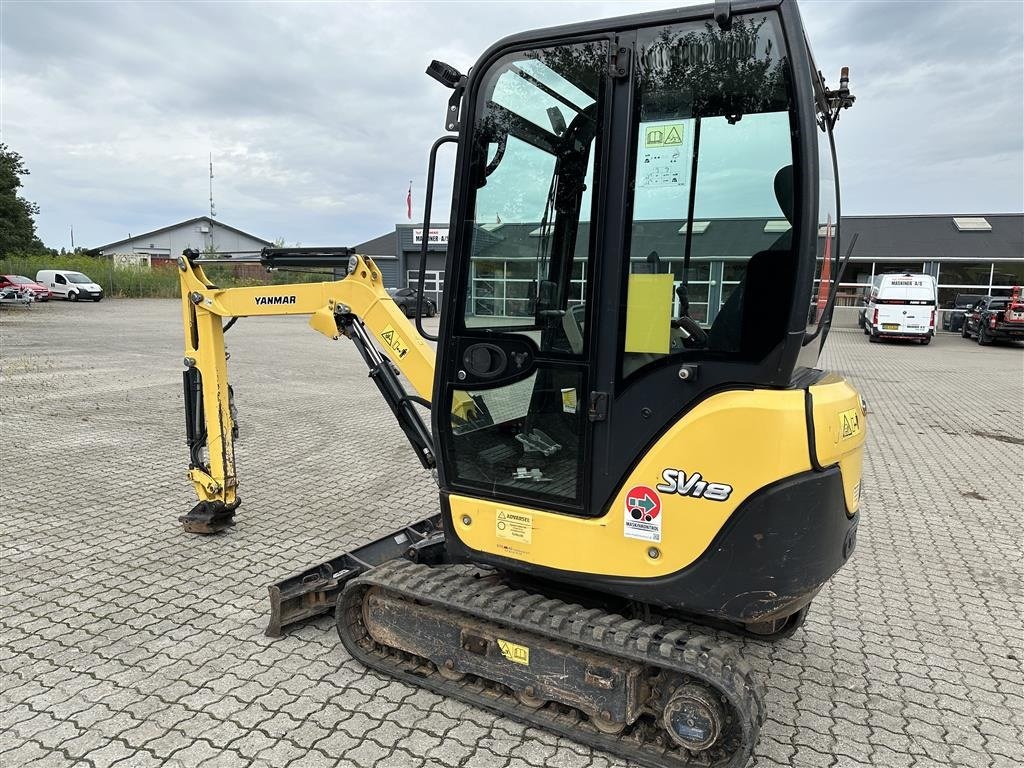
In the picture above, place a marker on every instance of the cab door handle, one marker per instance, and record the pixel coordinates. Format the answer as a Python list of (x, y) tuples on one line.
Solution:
[(484, 361)]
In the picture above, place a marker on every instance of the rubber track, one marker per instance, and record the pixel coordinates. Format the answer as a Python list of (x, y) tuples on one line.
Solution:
[(457, 589)]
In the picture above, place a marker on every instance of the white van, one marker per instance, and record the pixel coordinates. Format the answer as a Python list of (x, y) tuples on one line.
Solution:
[(69, 285), (901, 306)]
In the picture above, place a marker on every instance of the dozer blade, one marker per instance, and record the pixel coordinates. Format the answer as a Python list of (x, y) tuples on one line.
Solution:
[(658, 696), (315, 590)]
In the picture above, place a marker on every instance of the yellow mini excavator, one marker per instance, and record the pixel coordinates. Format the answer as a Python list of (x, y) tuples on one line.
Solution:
[(626, 421)]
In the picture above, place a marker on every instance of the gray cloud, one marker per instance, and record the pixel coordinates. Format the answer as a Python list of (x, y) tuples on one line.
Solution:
[(318, 115)]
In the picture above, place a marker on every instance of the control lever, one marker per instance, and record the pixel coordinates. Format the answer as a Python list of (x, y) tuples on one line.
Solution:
[(535, 441)]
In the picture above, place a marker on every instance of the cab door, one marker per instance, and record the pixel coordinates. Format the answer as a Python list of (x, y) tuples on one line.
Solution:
[(516, 367)]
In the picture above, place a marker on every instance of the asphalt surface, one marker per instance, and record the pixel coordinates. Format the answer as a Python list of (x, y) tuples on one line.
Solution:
[(125, 641)]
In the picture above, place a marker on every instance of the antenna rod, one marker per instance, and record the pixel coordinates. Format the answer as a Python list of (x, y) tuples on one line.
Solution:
[(212, 210)]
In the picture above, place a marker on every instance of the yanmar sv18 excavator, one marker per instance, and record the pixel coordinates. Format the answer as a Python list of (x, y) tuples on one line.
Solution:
[(626, 420)]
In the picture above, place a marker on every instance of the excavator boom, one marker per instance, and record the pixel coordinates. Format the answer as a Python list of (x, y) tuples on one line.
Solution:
[(357, 306)]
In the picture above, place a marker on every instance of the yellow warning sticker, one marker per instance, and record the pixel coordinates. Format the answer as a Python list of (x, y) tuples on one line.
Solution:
[(515, 526), (665, 135), (514, 652), (394, 341), (849, 424), (570, 403)]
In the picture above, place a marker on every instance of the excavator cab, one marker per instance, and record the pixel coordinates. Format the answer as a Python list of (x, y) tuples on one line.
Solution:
[(643, 235), (626, 419)]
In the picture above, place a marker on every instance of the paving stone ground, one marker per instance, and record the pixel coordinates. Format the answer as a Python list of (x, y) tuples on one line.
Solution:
[(124, 641)]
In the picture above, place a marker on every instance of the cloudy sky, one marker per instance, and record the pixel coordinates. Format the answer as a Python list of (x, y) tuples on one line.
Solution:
[(318, 115)]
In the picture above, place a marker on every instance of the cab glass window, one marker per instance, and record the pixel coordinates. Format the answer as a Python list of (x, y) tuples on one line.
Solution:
[(533, 168), (535, 138), (60, 279), (710, 269)]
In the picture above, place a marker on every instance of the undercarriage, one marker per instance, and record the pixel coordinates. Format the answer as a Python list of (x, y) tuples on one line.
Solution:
[(643, 691)]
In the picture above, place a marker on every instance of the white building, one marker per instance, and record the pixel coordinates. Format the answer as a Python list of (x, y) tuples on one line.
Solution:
[(166, 244)]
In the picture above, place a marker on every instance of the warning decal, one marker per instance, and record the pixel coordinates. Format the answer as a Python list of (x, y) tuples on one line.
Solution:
[(665, 156), (570, 403), (670, 135), (642, 518), (394, 341), (849, 424), (514, 526), (514, 652)]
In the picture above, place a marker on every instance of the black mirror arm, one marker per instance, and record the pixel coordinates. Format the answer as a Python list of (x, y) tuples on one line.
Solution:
[(427, 204)]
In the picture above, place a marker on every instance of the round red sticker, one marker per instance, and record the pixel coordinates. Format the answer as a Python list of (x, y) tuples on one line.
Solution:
[(642, 504)]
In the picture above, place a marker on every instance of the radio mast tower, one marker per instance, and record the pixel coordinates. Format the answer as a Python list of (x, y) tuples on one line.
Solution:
[(213, 210)]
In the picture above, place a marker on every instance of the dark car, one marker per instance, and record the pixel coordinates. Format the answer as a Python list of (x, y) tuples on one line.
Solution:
[(406, 299), (994, 318), (953, 319)]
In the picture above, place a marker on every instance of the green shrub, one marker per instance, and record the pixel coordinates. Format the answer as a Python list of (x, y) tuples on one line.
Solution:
[(146, 282)]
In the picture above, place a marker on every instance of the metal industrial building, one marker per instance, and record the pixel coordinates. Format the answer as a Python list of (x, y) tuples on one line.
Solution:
[(166, 244), (966, 253)]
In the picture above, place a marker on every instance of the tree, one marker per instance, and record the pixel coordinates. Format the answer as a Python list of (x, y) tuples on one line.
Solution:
[(17, 225)]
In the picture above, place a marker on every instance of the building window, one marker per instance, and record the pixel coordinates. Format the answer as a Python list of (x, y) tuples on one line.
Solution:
[(965, 273), (960, 277), (433, 283), (884, 267), (1007, 274), (856, 284)]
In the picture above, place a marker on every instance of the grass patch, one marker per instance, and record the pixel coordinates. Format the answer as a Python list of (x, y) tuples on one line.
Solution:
[(149, 282)]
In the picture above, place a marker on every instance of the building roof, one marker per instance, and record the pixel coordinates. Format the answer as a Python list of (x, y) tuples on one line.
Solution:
[(736, 238), (923, 238), (935, 236), (378, 246), (207, 219)]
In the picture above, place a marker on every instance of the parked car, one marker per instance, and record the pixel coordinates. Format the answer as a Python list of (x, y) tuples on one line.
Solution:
[(953, 319), (900, 306), (995, 318), (405, 298), (69, 285), (22, 284)]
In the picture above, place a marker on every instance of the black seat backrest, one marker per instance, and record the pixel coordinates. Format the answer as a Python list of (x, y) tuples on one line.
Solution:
[(769, 283), (754, 317), (766, 299)]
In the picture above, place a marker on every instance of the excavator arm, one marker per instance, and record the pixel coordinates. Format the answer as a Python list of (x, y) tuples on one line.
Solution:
[(357, 307)]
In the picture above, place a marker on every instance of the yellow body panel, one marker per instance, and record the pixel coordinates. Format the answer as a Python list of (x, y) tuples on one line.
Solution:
[(744, 438), (840, 428)]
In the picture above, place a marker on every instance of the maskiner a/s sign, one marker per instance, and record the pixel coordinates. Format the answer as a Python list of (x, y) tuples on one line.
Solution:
[(434, 236)]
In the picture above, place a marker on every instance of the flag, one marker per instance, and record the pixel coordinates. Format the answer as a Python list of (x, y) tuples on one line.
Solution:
[(824, 285), (408, 202)]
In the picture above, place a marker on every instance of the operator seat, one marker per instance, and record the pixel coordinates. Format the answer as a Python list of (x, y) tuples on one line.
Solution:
[(572, 326), (755, 317)]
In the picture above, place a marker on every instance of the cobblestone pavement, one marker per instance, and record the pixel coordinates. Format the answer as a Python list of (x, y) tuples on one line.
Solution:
[(125, 641)]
